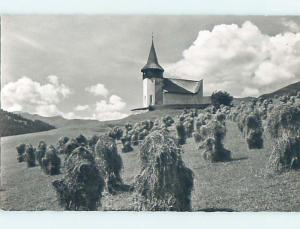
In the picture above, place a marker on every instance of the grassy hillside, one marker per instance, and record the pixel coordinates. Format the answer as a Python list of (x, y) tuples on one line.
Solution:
[(238, 185), (13, 124), (59, 121), (290, 90)]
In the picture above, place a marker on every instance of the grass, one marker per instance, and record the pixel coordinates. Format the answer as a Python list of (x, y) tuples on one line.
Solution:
[(238, 185)]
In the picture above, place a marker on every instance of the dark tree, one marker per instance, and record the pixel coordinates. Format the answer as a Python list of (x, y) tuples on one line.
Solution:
[(221, 97)]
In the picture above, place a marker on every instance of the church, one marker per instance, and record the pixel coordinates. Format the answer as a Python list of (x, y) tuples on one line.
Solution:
[(159, 91)]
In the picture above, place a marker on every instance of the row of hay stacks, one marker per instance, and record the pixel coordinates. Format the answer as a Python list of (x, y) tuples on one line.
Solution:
[(280, 119), (92, 166)]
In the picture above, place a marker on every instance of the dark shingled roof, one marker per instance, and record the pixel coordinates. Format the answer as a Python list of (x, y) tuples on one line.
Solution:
[(181, 86), (152, 62)]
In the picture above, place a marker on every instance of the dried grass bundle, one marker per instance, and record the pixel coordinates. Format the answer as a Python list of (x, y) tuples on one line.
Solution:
[(30, 155), (82, 184), (40, 152), (164, 183), (21, 152), (284, 120), (285, 154), (50, 163), (109, 161)]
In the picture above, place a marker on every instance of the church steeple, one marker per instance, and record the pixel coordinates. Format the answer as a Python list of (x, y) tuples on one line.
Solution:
[(152, 67)]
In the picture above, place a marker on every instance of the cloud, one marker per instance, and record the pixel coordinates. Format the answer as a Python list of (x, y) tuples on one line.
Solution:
[(290, 25), (31, 96), (81, 107), (98, 89), (241, 60), (110, 110)]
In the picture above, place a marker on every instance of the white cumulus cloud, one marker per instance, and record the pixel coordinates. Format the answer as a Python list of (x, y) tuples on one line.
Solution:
[(291, 25), (81, 107), (110, 110), (98, 89), (31, 96), (241, 60)]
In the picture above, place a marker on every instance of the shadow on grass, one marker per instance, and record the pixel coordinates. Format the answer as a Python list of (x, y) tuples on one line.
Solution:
[(239, 159), (216, 210)]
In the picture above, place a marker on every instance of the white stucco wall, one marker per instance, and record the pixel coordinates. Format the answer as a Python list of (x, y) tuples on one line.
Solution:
[(173, 98), (148, 89)]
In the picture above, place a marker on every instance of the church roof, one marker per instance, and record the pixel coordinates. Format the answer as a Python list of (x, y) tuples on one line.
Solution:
[(181, 86), (152, 62)]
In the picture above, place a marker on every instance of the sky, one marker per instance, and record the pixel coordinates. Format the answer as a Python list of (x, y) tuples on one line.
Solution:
[(89, 66)]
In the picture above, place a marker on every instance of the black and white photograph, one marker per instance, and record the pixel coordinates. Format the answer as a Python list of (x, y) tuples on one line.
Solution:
[(181, 113)]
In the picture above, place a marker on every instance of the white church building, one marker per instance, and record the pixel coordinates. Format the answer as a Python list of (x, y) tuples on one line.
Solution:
[(159, 91)]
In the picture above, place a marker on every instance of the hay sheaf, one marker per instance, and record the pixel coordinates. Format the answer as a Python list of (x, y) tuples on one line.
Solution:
[(30, 155), (110, 162), (254, 131), (285, 155), (284, 119), (21, 152), (82, 184), (50, 163), (40, 151), (214, 150), (164, 183)]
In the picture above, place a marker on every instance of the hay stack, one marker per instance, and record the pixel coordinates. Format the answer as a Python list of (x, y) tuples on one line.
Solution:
[(197, 137), (92, 141), (21, 152), (70, 146), (110, 162), (82, 140), (168, 121), (40, 152), (50, 163), (254, 131), (82, 184), (285, 154), (164, 183), (30, 155), (61, 144), (214, 150), (115, 133), (181, 133), (284, 120)]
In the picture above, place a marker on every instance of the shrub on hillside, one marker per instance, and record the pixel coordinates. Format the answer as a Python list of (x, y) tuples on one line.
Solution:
[(50, 163), (82, 184), (164, 183), (21, 152), (110, 162), (221, 97)]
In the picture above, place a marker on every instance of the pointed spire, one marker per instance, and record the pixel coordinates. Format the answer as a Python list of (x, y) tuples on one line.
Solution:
[(152, 62)]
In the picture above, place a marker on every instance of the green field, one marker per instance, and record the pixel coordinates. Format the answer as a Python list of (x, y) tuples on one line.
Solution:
[(239, 185)]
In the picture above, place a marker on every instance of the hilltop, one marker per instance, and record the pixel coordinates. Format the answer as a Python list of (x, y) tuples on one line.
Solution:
[(290, 90), (14, 124)]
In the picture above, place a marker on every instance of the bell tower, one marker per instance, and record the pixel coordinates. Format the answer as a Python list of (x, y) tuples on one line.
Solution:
[(152, 80)]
